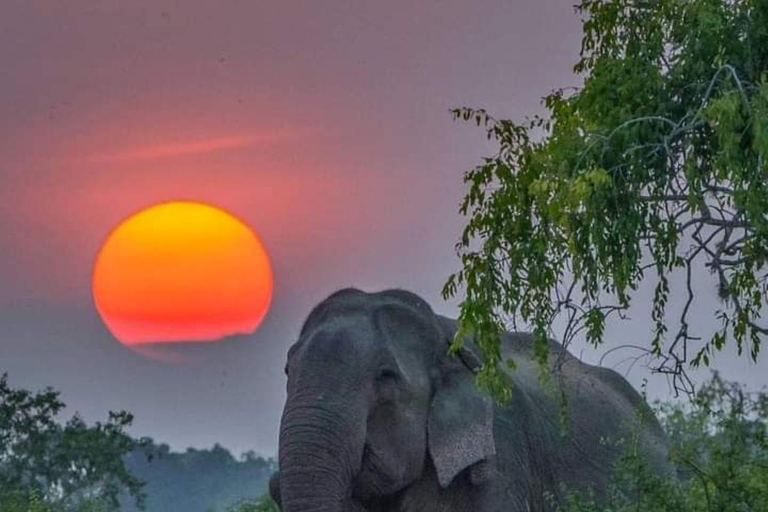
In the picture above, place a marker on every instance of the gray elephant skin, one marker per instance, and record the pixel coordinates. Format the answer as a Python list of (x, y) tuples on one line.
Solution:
[(378, 417)]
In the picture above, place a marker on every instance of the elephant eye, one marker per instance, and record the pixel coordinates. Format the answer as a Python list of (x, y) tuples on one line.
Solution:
[(387, 374)]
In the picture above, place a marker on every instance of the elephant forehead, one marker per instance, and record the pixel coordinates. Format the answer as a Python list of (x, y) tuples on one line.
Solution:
[(343, 342)]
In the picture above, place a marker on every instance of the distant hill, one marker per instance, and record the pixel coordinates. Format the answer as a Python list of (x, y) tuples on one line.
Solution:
[(197, 480)]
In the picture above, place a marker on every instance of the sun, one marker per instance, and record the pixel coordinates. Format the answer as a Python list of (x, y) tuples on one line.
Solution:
[(181, 271)]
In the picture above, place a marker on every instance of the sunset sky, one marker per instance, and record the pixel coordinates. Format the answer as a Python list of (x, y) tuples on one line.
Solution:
[(322, 125)]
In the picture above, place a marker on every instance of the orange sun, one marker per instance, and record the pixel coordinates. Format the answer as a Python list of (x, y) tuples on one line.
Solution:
[(181, 271)]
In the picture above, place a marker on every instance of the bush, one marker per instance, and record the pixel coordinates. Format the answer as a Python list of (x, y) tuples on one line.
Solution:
[(719, 446), (263, 504)]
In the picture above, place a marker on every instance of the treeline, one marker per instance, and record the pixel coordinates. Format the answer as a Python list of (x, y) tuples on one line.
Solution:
[(195, 480), (48, 464)]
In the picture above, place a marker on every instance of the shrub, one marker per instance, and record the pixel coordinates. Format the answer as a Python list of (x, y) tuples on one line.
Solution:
[(719, 447)]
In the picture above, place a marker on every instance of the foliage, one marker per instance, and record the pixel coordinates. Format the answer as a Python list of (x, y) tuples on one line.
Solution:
[(719, 446), (656, 166), (263, 504), (26, 500), (46, 465)]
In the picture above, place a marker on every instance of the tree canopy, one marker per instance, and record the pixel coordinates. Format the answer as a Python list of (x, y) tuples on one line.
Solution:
[(46, 465), (654, 167)]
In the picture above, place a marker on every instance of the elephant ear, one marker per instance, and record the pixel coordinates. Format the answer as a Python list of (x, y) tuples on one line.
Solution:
[(460, 425)]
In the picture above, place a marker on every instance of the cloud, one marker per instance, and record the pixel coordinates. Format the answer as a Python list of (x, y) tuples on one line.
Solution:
[(185, 148)]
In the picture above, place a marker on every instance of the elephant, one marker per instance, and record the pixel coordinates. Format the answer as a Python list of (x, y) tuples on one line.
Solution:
[(379, 417)]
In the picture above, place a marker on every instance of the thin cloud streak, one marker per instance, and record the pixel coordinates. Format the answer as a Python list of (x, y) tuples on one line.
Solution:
[(186, 148)]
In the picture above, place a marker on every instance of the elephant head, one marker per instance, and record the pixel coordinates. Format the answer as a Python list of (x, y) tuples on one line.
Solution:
[(374, 402)]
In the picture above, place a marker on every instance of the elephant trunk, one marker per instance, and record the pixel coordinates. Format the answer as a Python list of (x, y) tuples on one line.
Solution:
[(321, 447)]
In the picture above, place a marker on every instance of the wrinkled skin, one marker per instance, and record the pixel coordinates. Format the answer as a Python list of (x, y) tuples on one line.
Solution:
[(379, 418)]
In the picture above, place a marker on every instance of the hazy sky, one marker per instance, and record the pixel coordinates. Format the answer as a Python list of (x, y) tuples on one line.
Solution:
[(323, 125)]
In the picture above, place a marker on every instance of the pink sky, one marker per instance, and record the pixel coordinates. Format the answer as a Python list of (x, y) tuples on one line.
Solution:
[(323, 125)]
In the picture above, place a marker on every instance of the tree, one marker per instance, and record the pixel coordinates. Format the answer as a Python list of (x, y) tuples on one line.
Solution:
[(46, 465), (656, 166)]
